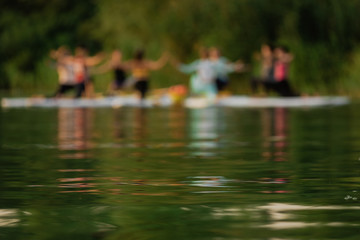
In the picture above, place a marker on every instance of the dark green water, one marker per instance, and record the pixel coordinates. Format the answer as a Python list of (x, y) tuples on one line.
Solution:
[(216, 173)]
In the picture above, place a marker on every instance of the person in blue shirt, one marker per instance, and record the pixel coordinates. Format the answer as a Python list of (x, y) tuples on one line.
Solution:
[(202, 80)]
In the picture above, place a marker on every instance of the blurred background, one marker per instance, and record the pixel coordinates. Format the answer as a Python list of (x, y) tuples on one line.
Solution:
[(323, 35)]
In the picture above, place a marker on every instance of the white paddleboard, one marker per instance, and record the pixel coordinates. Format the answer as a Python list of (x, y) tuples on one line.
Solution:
[(191, 102)]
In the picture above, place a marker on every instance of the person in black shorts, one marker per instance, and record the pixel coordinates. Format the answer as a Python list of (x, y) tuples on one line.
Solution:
[(115, 65), (140, 70)]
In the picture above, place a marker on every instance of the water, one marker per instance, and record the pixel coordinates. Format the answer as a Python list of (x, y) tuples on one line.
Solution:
[(174, 173)]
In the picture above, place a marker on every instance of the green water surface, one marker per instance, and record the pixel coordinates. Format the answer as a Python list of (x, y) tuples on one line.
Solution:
[(175, 173)]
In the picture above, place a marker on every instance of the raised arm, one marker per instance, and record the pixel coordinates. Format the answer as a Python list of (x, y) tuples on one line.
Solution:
[(155, 65), (288, 57), (128, 65), (103, 68), (92, 61), (54, 54)]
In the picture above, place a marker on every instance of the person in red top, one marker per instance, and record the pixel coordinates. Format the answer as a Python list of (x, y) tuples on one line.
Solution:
[(281, 72)]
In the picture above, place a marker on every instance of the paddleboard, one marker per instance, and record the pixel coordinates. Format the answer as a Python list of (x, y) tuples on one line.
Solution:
[(165, 101)]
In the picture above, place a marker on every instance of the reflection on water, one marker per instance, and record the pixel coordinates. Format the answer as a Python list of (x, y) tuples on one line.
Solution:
[(282, 215), (74, 129), (140, 126), (209, 181), (204, 131), (212, 173), (275, 133), (119, 125), (276, 137)]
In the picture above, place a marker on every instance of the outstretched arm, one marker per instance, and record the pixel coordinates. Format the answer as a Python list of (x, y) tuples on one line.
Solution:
[(54, 54), (102, 68), (155, 65), (128, 65), (238, 66), (92, 61), (288, 57), (188, 68), (59, 57), (108, 65)]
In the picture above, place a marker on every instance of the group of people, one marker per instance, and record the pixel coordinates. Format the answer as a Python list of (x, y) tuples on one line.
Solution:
[(274, 72), (74, 71), (209, 74), (139, 68)]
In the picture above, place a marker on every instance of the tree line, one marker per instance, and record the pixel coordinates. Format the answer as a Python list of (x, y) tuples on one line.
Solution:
[(323, 35)]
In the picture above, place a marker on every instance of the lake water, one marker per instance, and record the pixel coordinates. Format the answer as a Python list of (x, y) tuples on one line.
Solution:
[(175, 173)]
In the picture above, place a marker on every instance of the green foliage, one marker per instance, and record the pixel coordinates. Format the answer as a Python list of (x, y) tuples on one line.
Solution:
[(321, 34), (29, 29), (350, 79)]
